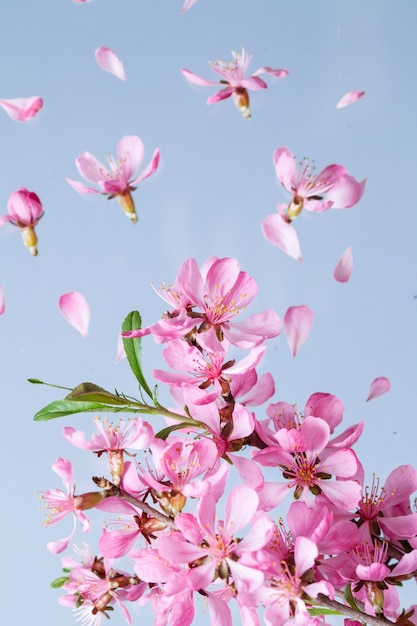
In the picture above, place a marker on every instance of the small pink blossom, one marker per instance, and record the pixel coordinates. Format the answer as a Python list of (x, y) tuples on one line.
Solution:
[(344, 266), (349, 98), (74, 308), (234, 81), (2, 301), (25, 210), (116, 182), (333, 187), (110, 62), (298, 322), (378, 387), (22, 109)]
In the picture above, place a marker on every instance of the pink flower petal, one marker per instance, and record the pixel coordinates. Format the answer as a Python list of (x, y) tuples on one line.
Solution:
[(22, 109), (187, 5), (2, 301), (378, 386), (298, 322), (281, 234), (109, 62), (197, 80), (121, 354), (75, 310), (343, 269), (349, 98)]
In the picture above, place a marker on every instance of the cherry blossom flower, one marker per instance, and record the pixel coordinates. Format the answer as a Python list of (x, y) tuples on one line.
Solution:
[(221, 291), (113, 439), (22, 109), (59, 505), (25, 211), (349, 98), (344, 266), (234, 81), (378, 387), (109, 62), (333, 187), (116, 182), (74, 308)]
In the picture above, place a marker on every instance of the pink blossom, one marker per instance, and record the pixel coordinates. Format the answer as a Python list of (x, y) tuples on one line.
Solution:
[(22, 109), (233, 75), (221, 291), (298, 322), (109, 62), (349, 98), (25, 211), (59, 505), (114, 440), (344, 266), (2, 301), (333, 187), (378, 387), (75, 310), (278, 231), (116, 181)]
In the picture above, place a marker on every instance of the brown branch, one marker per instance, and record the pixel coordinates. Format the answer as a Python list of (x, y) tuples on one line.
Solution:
[(347, 610), (117, 492)]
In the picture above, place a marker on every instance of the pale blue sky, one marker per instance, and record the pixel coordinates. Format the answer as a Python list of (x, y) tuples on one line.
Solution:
[(215, 185)]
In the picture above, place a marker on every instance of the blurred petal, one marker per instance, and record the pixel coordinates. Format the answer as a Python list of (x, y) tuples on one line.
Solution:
[(298, 322), (281, 234), (80, 187), (110, 62), (187, 5), (281, 73), (130, 151), (120, 349), (75, 310), (349, 98), (2, 301), (22, 109), (343, 269), (378, 386), (197, 80)]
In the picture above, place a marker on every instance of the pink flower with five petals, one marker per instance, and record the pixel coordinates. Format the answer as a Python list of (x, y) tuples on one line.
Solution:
[(116, 182), (234, 81)]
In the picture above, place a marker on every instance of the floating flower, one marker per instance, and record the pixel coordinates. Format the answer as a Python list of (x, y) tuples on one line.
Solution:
[(25, 211), (233, 80), (116, 182), (349, 98), (110, 62), (75, 310), (22, 109)]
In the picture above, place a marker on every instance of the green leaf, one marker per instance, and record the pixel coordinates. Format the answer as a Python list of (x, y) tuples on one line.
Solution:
[(322, 611), (350, 599), (163, 434), (59, 582), (133, 321), (61, 408), (89, 392)]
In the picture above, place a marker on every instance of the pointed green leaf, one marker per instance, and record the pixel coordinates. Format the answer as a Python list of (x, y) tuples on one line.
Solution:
[(323, 611), (133, 321), (61, 408), (59, 582), (163, 434), (88, 392)]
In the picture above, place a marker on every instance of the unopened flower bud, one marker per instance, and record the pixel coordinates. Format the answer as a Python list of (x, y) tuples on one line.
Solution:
[(88, 500)]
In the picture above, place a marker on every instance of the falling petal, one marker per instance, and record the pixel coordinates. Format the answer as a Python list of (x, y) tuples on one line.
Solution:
[(75, 309), (349, 98), (343, 269), (109, 62), (378, 386), (298, 322), (281, 234), (187, 5), (120, 349), (22, 109), (2, 301)]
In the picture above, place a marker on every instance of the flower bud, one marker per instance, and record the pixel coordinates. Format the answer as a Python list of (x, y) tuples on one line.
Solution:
[(88, 500)]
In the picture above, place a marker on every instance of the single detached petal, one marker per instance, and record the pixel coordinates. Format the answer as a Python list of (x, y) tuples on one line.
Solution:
[(22, 109), (2, 302), (281, 234), (343, 269), (298, 322), (110, 62), (349, 98), (75, 309), (187, 5), (378, 386)]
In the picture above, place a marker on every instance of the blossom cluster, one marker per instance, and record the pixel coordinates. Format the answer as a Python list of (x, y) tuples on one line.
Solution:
[(172, 517)]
